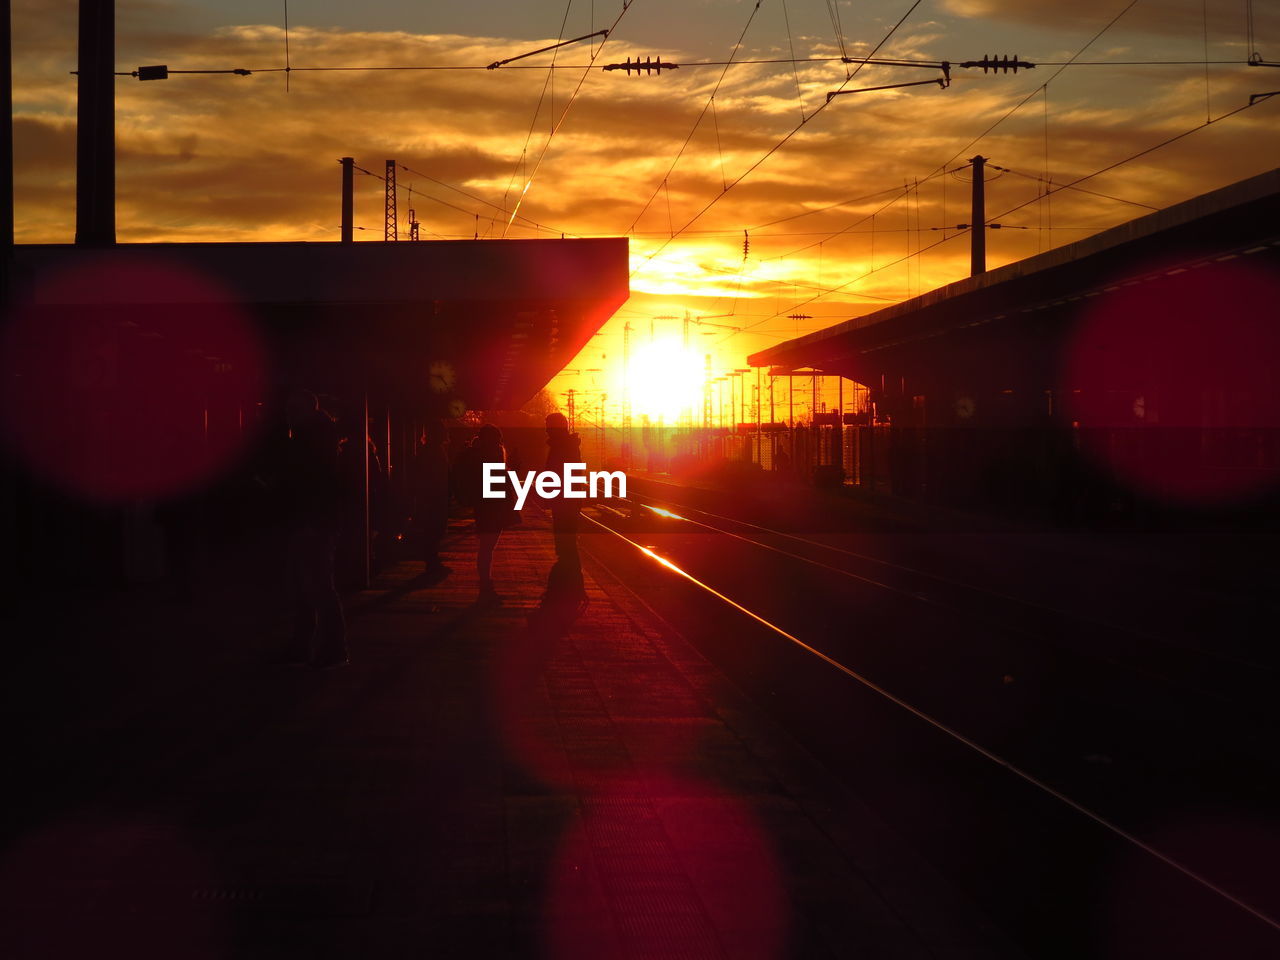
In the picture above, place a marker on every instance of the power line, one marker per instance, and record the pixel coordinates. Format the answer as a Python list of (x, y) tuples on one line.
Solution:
[(1005, 213), (288, 63), (478, 199), (833, 11), (710, 104), (795, 69), (1063, 66), (901, 193), (555, 46), (563, 114), (831, 206), (1092, 193), (694, 64), (772, 150), (1141, 153), (942, 167), (537, 110)]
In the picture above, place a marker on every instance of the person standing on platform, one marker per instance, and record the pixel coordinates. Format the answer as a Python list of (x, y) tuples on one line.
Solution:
[(493, 514), (564, 584), (313, 497)]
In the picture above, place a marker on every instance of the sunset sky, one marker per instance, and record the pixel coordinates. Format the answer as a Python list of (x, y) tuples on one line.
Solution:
[(832, 215)]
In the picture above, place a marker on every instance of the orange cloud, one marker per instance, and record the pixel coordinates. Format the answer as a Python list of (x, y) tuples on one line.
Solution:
[(235, 158)]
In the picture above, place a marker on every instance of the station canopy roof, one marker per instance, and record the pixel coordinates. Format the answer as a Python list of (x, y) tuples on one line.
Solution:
[(1241, 220), (505, 315)]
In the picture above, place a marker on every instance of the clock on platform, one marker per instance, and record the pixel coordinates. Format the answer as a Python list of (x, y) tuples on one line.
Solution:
[(457, 408), (441, 377)]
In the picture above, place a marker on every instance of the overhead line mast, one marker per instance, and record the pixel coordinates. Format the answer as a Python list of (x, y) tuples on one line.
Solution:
[(390, 230)]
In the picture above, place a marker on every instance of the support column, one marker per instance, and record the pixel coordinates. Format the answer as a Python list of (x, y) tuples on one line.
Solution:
[(6, 148), (978, 219), (95, 125), (348, 192)]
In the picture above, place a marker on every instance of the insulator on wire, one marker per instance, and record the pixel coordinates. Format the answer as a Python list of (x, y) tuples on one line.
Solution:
[(999, 64), (648, 65), (746, 244)]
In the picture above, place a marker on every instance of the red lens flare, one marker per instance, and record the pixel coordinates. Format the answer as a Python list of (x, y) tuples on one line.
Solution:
[(534, 676), (1170, 382), (665, 868), (125, 379)]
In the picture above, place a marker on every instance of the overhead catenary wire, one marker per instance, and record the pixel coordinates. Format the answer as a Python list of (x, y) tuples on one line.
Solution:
[(818, 210), (555, 46), (409, 188), (573, 97), (694, 64), (710, 104), (795, 68), (1054, 188), (537, 111), (1074, 61), (1134, 156), (899, 194), (288, 62), (1061, 67), (772, 150), (1016, 107), (1092, 193), (942, 167), (479, 199), (833, 11)]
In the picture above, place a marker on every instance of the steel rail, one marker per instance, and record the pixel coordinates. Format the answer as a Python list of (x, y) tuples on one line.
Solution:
[(954, 734)]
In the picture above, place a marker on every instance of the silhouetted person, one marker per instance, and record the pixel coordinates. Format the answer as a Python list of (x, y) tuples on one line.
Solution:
[(313, 493), (492, 514), (432, 511), (564, 584)]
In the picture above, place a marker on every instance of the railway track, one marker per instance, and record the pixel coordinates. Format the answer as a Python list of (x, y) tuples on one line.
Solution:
[(1117, 733)]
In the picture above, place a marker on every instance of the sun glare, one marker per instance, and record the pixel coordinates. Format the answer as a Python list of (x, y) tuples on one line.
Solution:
[(665, 381)]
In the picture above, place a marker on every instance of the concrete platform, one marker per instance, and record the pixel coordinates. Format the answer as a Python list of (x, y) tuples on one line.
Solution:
[(467, 787)]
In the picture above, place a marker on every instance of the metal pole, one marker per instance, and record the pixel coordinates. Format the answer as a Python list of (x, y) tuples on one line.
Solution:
[(366, 533), (95, 124), (348, 193), (978, 219), (759, 399), (772, 415), (6, 149), (814, 437), (390, 227), (840, 421)]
